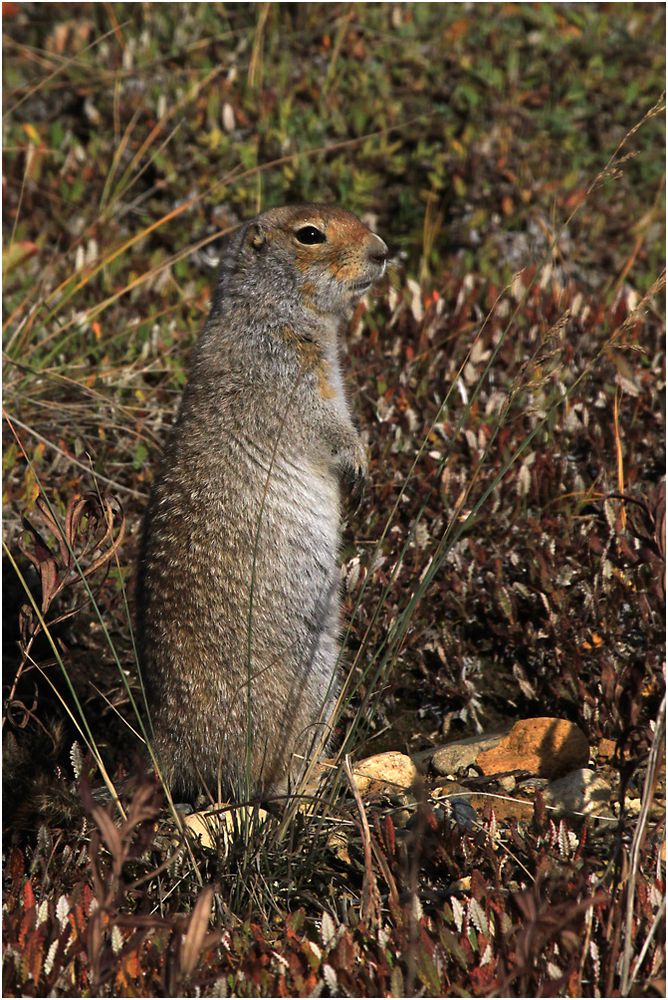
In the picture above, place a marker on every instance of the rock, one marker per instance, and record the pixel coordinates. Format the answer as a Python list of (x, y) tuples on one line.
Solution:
[(508, 783), (463, 753), (391, 771), (401, 817), (447, 789), (606, 750), (581, 791), (504, 808), (531, 784), (545, 747), (463, 813), (462, 884), (203, 826), (338, 842), (208, 825), (457, 802)]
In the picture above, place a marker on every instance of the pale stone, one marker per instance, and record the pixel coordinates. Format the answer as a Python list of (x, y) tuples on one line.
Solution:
[(208, 825), (508, 784), (529, 786), (581, 791), (391, 771), (338, 842), (447, 789), (606, 750), (461, 754), (545, 747), (204, 827), (462, 884)]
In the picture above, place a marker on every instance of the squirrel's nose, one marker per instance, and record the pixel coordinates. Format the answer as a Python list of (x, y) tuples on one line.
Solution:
[(378, 251)]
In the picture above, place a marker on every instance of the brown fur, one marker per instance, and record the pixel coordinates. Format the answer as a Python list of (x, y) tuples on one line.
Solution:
[(238, 587)]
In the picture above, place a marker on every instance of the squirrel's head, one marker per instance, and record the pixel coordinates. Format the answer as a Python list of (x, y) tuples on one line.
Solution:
[(317, 256)]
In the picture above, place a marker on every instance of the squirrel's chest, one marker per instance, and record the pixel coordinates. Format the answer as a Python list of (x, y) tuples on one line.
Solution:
[(305, 498), (299, 537)]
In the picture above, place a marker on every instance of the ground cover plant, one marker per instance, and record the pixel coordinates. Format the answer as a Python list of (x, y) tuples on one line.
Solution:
[(507, 560)]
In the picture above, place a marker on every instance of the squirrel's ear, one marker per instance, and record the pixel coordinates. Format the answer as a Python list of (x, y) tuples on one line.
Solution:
[(256, 237)]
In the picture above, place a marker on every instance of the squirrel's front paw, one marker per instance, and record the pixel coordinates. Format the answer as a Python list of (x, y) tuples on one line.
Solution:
[(352, 466)]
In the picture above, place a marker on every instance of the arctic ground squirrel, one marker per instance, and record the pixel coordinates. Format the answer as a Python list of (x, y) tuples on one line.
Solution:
[(238, 589)]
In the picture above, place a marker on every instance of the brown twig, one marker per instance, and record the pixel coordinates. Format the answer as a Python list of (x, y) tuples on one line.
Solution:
[(649, 789), (370, 906)]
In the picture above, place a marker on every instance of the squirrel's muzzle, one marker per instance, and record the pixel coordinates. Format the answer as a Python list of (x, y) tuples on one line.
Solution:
[(377, 253)]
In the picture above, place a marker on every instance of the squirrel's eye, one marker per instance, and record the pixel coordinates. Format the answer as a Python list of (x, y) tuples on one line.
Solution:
[(310, 235)]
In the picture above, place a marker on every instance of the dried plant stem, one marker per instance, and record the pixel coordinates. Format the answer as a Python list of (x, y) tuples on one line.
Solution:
[(649, 789), (370, 906), (255, 64), (57, 70), (89, 738), (661, 912), (97, 476), (86, 731), (620, 456)]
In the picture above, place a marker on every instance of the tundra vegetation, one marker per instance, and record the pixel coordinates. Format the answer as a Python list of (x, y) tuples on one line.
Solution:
[(507, 561)]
